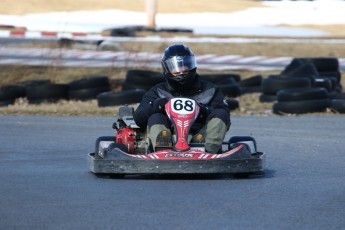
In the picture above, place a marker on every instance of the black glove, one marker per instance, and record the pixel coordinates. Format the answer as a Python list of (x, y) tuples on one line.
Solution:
[(204, 111), (158, 105)]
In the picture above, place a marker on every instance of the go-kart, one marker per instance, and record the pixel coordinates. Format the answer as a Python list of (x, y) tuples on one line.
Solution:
[(130, 152)]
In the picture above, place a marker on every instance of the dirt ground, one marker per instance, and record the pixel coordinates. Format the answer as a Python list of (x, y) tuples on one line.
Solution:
[(249, 104)]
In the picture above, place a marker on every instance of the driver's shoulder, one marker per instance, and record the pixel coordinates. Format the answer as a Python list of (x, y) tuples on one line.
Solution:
[(205, 85)]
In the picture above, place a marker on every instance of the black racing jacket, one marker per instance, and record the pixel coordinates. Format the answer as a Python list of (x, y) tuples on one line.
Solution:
[(203, 92)]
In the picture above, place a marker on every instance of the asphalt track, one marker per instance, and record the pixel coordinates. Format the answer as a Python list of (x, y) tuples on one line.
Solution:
[(45, 182)]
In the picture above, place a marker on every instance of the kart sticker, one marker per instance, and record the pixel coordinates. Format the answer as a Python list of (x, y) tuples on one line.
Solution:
[(179, 155), (182, 106)]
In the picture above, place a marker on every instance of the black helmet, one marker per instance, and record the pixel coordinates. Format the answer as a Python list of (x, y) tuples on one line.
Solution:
[(179, 66)]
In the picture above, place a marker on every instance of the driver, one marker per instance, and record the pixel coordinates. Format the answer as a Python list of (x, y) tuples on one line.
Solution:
[(179, 69)]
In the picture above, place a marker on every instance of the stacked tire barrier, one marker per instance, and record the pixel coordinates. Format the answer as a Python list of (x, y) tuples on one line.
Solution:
[(228, 84), (141, 79), (88, 88), (115, 98), (301, 100), (40, 91), (136, 83), (251, 84), (36, 91), (9, 93), (306, 85), (48, 92)]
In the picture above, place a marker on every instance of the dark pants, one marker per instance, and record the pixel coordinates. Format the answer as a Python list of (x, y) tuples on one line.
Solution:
[(213, 129)]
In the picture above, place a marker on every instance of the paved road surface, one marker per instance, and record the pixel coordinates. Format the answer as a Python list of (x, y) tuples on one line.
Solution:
[(45, 182)]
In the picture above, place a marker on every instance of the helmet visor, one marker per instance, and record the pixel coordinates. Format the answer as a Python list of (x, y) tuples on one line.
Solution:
[(180, 64)]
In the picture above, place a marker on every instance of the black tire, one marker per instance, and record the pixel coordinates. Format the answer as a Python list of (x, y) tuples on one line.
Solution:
[(225, 81), (312, 78), (324, 64), (214, 78), (302, 94), (126, 31), (250, 89), (324, 83), (115, 175), (338, 88), (232, 103), (143, 77), (301, 107), (87, 94), (7, 102), (114, 98), (307, 70), (129, 86), (335, 74), (294, 64), (267, 97), (336, 95), (35, 82), (333, 82), (241, 175), (230, 90), (11, 92), (251, 81), (338, 105), (145, 81), (87, 83), (175, 30), (272, 84), (46, 92)]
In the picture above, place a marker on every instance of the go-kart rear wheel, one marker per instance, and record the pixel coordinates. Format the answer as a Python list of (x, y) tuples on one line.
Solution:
[(115, 176), (110, 175), (241, 175)]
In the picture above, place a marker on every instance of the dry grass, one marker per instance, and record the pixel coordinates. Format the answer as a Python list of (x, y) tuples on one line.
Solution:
[(19, 74), (61, 108), (249, 49)]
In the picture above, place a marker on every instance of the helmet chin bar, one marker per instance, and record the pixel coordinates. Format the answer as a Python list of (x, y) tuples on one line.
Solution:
[(181, 82), (182, 79)]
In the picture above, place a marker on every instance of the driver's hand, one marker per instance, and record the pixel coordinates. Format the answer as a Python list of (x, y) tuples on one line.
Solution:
[(158, 105), (204, 111)]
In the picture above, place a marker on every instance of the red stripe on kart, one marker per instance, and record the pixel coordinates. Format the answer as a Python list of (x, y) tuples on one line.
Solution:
[(188, 155)]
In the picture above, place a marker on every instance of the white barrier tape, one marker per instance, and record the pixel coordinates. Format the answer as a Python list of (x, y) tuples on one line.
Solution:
[(100, 37), (63, 57)]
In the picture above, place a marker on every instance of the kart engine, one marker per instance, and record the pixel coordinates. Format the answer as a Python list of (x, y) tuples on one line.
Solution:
[(127, 132), (126, 136)]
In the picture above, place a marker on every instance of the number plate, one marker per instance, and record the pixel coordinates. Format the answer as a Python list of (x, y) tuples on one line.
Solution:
[(182, 106)]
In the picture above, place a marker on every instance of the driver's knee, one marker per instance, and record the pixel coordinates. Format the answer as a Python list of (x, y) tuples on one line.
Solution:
[(158, 118), (215, 132)]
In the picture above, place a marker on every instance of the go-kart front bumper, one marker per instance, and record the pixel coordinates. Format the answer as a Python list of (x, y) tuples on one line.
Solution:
[(119, 162)]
